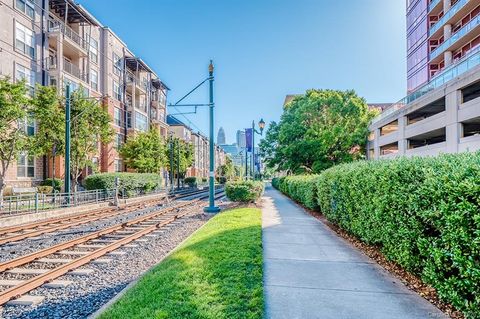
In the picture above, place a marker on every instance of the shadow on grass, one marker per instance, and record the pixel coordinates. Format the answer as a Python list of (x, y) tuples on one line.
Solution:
[(214, 275)]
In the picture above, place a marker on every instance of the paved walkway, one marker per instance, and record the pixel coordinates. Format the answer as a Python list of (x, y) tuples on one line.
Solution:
[(310, 272)]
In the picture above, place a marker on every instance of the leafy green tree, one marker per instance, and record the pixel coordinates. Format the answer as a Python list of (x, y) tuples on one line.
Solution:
[(183, 153), (90, 125), (15, 107), (145, 152), (226, 170), (50, 116), (318, 130)]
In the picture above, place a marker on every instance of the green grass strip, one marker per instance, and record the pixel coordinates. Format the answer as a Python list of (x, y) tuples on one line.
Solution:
[(216, 273)]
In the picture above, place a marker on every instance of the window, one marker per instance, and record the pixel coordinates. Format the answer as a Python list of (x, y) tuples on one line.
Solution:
[(93, 53), (24, 40), (141, 122), (129, 119), (26, 6), (116, 91), (22, 73), (117, 116), (27, 125), (118, 141), (118, 165), (94, 79), (117, 64), (25, 166)]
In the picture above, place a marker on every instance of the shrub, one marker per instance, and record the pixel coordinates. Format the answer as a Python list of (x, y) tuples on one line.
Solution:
[(423, 213), (45, 189), (57, 183), (222, 180), (191, 181), (129, 183), (302, 189), (204, 179), (244, 191)]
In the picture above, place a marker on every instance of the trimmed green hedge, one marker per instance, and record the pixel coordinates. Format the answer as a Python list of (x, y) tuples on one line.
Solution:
[(56, 183), (244, 191), (191, 181), (423, 213), (129, 183)]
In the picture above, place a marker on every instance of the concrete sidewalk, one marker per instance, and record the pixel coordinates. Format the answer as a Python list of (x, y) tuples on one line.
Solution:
[(310, 272)]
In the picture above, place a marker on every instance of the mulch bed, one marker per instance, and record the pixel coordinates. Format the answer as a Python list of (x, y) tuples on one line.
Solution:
[(411, 281)]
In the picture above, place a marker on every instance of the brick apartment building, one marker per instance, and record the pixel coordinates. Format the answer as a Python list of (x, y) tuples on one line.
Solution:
[(55, 42)]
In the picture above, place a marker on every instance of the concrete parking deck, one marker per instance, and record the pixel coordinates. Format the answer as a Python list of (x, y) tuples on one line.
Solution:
[(310, 272)]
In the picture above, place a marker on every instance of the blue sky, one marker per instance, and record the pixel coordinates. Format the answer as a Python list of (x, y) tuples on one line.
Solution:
[(264, 49)]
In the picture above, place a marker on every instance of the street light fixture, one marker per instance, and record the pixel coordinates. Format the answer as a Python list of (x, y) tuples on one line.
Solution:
[(261, 126)]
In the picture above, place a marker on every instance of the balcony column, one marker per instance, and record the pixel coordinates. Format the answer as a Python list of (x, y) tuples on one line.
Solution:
[(402, 142), (447, 4), (453, 127), (448, 55), (376, 144)]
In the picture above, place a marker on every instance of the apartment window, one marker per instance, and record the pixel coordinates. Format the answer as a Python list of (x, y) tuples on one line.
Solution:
[(22, 73), (118, 141), (129, 119), (118, 165), (117, 116), (117, 64), (27, 7), (93, 44), (25, 165), (27, 126), (94, 79), (24, 40), (141, 122), (116, 91)]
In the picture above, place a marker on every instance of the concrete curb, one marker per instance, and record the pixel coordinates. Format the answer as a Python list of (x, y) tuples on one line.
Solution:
[(122, 292)]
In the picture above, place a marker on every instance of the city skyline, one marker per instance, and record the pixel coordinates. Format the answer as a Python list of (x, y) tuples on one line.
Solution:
[(247, 65)]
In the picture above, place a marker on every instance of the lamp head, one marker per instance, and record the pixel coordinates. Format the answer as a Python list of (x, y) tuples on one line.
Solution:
[(261, 125)]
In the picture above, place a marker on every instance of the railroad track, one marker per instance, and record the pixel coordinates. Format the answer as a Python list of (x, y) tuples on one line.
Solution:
[(113, 237), (20, 232)]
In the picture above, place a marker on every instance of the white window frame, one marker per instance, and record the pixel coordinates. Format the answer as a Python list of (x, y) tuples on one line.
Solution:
[(28, 162), (118, 165), (26, 37), (94, 79), (23, 73), (116, 91), (28, 4), (117, 69), (138, 126), (117, 120), (118, 140), (93, 49)]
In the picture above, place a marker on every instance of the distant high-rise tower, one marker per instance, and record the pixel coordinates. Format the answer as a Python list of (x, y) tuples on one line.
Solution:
[(221, 136), (241, 143)]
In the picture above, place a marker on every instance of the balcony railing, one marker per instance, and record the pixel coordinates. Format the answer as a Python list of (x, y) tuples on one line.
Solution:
[(432, 4), (74, 70), (450, 13), (475, 22), (55, 26), (464, 65)]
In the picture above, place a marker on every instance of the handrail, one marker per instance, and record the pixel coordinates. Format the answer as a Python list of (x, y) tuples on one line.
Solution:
[(450, 13), (54, 25)]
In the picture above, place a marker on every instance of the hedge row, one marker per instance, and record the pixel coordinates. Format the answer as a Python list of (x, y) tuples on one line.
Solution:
[(423, 213), (244, 191), (129, 183)]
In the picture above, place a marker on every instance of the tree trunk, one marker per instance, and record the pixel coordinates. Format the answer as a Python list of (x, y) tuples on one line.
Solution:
[(2, 188)]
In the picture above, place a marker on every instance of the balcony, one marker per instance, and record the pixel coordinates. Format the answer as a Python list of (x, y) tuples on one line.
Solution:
[(462, 66), (457, 10), (433, 5), (74, 40), (448, 45), (74, 70)]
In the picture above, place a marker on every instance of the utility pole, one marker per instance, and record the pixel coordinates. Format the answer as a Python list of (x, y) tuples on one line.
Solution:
[(211, 208), (178, 166), (67, 140), (171, 163)]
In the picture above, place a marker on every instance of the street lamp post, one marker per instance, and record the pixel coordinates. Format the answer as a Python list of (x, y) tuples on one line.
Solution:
[(211, 208), (261, 126), (67, 140)]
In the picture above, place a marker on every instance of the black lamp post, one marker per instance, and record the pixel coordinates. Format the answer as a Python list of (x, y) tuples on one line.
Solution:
[(261, 126)]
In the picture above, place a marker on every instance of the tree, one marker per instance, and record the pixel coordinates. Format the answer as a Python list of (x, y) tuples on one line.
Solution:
[(318, 130), (50, 116), (145, 152), (14, 109), (226, 170), (90, 124), (183, 153)]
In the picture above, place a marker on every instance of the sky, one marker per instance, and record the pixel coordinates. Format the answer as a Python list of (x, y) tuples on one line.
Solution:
[(263, 50)]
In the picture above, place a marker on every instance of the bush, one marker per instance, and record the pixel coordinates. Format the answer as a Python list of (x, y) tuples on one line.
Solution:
[(57, 183), (222, 180), (191, 181), (129, 183), (244, 191), (45, 189), (204, 179), (302, 189), (423, 213)]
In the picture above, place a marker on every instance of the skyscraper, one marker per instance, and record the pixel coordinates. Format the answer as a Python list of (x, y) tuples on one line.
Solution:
[(241, 139), (221, 136), (441, 113)]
